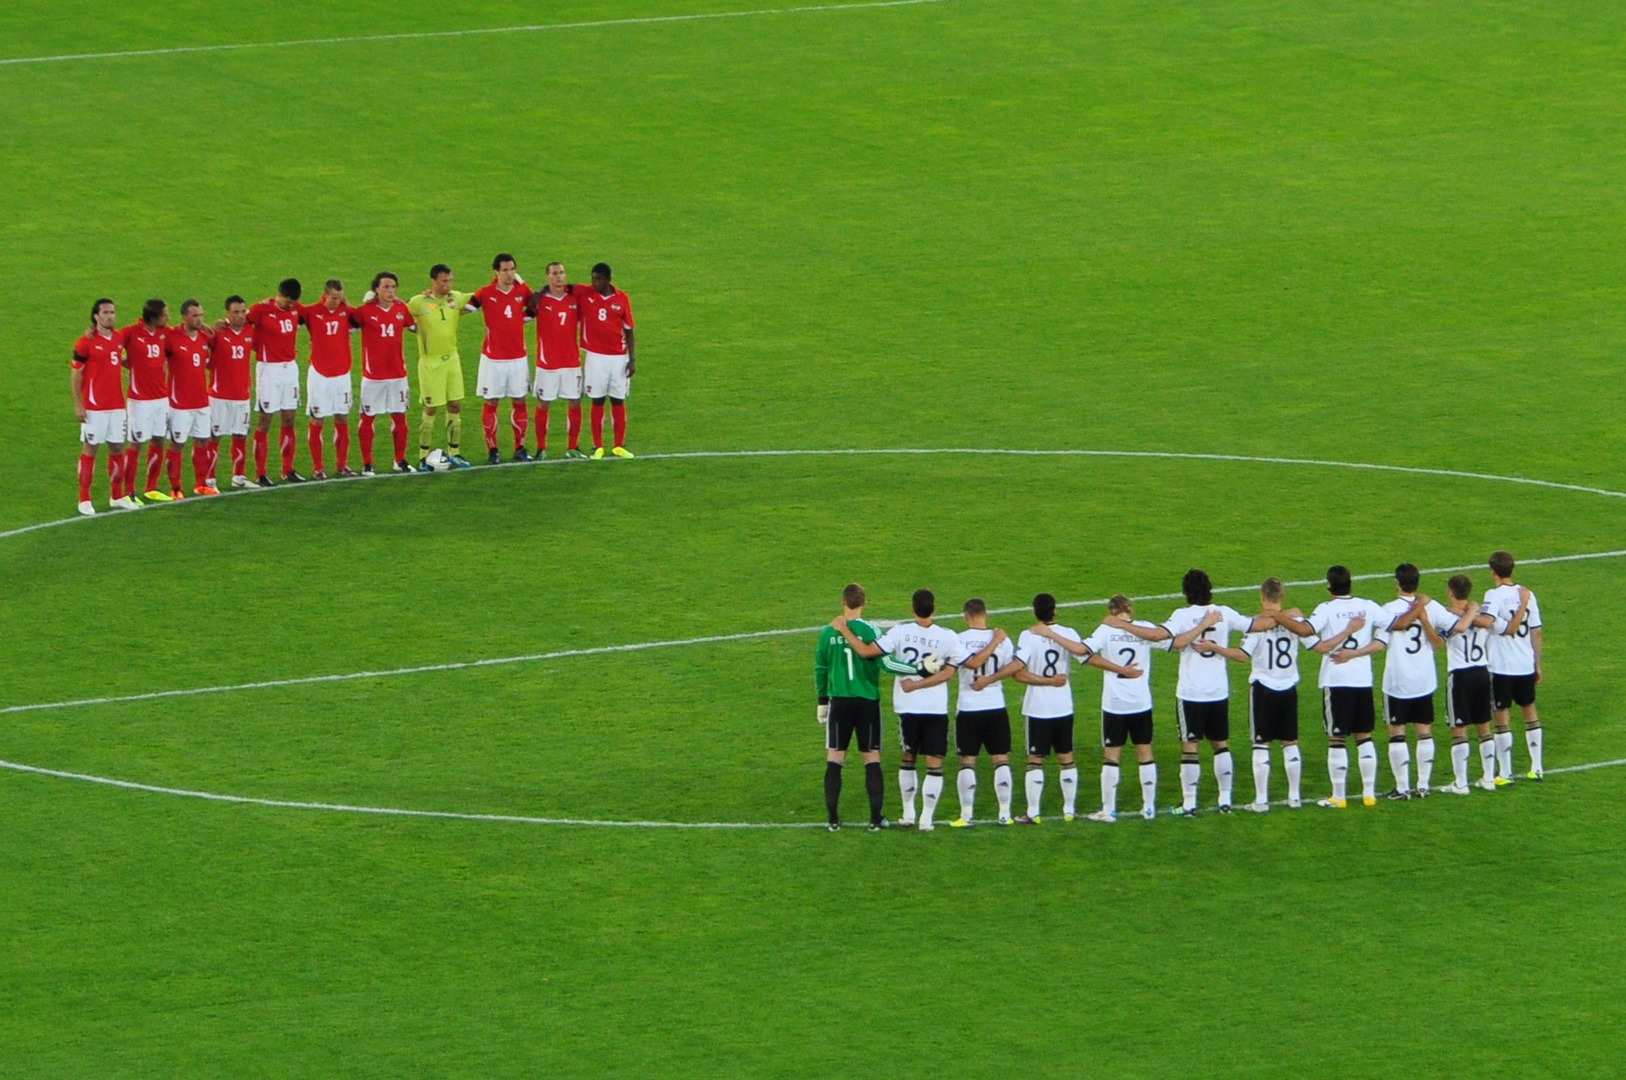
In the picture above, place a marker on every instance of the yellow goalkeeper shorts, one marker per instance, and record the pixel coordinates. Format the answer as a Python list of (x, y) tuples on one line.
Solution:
[(440, 380)]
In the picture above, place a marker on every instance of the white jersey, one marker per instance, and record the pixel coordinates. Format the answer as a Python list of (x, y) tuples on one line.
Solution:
[(1204, 678), (1275, 654), (1041, 656), (911, 642), (1330, 618), (1469, 649), (1409, 670), (992, 696), (1121, 696), (1511, 654)]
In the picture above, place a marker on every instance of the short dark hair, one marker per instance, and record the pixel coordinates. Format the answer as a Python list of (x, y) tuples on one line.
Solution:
[(1460, 585), (378, 279), (1120, 605), (923, 603), (189, 303), (1197, 587), (290, 288), (438, 269), (1338, 580), (975, 606), (1407, 577), (1271, 588), (152, 309), (557, 263), (333, 284), (1044, 607), (234, 299), (1501, 563), (496, 264), (96, 308), (853, 596), (601, 270)]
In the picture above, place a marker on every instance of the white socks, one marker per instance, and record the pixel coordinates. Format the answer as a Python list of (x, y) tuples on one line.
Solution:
[(1504, 753), (1190, 773), (1002, 790), (1532, 739), (1148, 786), (1366, 755), (907, 778), (1109, 786), (1487, 758), (1069, 790), (1224, 770), (930, 793), (1338, 769), (1295, 770), (1035, 786), (968, 791), (1399, 763), (1261, 774), (1459, 762), (1425, 763)]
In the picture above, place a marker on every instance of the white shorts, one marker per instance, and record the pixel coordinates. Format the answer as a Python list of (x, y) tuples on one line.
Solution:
[(227, 417), (606, 376), (555, 383), (148, 419), (103, 426), (503, 378), (276, 386), (380, 396), (327, 395), (187, 424)]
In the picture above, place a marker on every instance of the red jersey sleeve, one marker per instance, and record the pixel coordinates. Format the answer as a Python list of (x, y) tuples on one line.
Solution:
[(81, 352), (627, 300)]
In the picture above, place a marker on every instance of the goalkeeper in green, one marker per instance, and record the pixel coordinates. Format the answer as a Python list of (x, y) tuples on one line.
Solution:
[(849, 689)]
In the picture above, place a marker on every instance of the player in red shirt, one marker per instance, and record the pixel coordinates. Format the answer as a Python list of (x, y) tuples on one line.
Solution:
[(188, 349), (146, 346), (98, 402), (384, 322), (328, 388), (276, 375), (229, 354), (606, 316), (557, 310), (503, 357)]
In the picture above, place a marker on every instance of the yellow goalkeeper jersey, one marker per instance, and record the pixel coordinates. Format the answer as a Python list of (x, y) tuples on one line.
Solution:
[(437, 318)]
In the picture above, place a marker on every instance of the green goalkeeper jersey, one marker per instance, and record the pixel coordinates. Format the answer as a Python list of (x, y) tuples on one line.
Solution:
[(840, 672), (437, 318)]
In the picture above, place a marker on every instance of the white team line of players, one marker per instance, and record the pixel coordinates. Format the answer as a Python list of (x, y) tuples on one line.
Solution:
[(1493, 660)]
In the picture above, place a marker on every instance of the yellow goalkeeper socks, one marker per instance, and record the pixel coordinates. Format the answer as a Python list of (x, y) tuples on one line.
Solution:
[(426, 433), (454, 431)]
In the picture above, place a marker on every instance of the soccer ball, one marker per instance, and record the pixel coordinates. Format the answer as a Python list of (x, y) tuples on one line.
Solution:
[(438, 461), (931, 663)]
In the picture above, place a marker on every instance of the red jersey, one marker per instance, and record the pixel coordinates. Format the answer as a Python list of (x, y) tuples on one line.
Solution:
[(382, 332), (188, 369), (605, 321), (228, 363), (330, 338), (100, 357), (558, 328), (275, 331), (505, 320), (144, 352)]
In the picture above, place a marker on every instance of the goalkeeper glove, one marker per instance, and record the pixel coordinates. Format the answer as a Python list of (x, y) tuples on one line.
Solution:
[(824, 714)]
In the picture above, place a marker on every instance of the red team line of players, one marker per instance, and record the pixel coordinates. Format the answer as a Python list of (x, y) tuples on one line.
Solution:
[(191, 383)]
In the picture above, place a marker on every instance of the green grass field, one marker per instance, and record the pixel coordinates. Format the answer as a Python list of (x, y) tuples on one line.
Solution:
[(1387, 233)]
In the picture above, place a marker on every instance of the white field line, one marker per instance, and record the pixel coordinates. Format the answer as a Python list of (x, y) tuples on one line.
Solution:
[(532, 28), (513, 819), (672, 643), (881, 452)]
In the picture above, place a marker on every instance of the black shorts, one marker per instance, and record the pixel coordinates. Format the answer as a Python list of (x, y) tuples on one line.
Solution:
[(1347, 710), (1199, 720), (1400, 711), (982, 729), (1050, 734), (1511, 690), (1273, 715), (853, 715), (1118, 728), (1468, 696), (923, 734)]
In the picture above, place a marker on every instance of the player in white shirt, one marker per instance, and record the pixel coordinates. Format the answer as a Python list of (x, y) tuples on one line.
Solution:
[(1126, 707), (1410, 677), (1042, 663), (1515, 662), (1344, 627), (1468, 686), (920, 702), (1273, 692), (981, 720)]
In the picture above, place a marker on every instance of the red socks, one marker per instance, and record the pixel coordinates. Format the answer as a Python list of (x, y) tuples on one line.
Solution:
[(262, 441), (488, 421), (573, 429), (315, 438), (341, 446), (598, 424), (287, 448), (172, 458), (115, 474), (132, 465), (155, 465), (87, 471), (398, 429), (541, 426), (239, 456), (366, 440), (521, 420), (618, 417), (203, 465)]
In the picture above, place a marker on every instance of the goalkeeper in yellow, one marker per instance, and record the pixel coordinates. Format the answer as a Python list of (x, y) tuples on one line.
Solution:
[(437, 312)]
